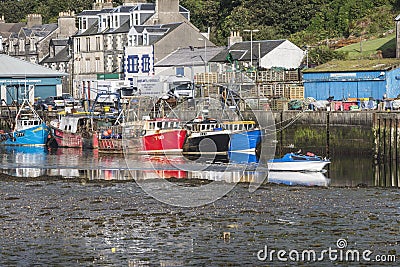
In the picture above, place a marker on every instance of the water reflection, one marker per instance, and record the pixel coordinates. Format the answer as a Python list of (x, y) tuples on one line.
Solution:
[(24, 161), (91, 165), (299, 178)]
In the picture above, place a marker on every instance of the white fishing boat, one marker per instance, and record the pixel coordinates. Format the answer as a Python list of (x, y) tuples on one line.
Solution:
[(298, 162)]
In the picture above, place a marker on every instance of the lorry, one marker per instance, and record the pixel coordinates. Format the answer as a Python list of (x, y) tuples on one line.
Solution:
[(160, 86)]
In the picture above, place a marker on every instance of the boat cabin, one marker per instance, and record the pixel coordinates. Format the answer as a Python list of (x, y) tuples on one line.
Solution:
[(204, 126), (27, 123), (238, 126), (162, 124), (73, 124)]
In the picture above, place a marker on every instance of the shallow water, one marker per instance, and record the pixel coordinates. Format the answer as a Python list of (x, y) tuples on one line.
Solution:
[(83, 209)]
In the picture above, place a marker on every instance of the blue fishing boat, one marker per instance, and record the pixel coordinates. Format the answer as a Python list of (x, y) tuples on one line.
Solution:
[(245, 136), (29, 129)]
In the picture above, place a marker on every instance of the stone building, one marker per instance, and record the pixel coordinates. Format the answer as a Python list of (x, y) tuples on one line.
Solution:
[(6, 30), (31, 42), (105, 36)]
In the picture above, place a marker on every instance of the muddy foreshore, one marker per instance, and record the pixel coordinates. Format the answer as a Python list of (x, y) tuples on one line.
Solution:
[(56, 223)]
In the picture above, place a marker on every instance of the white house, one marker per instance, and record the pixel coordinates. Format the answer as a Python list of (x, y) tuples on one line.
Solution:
[(265, 54)]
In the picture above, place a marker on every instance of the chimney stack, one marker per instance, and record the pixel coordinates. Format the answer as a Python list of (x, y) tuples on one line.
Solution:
[(33, 20), (234, 38), (66, 24), (133, 2), (100, 4)]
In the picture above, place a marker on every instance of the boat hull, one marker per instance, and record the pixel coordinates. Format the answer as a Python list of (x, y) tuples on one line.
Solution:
[(76, 140), (111, 145), (207, 143), (35, 136), (164, 141), (245, 141), (297, 166)]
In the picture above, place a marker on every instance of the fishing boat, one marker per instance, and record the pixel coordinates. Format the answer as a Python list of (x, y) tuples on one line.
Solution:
[(245, 136), (162, 136), (206, 136), (298, 162), (29, 129), (76, 130), (110, 139)]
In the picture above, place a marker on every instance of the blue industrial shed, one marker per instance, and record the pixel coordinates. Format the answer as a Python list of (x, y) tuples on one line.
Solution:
[(20, 80), (341, 80)]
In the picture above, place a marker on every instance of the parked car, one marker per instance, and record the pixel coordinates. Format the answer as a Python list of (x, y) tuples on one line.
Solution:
[(45, 104), (70, 101)]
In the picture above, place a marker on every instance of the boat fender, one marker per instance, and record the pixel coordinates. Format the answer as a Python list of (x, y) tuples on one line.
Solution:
[(143, 132)]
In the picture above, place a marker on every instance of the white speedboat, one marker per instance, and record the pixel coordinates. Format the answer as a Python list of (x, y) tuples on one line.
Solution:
[(298, 162)]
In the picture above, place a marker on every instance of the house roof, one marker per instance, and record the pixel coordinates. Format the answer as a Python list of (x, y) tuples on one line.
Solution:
[(241, 51), (189, 56), (145, 6), (14, 67), (40, 30), (62, 56), (357, 65), (59, 42), (88, 13), (124, 28), (92, 30), (160, 28), (7, 28)]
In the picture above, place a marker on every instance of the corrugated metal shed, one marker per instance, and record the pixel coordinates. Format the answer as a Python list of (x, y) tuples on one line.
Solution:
[(353, 79)]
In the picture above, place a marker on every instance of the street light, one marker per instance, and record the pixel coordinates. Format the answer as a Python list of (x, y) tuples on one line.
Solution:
[(251, 44), (205, 53)]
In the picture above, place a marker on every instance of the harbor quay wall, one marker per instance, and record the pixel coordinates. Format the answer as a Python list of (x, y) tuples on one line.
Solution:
[(337, 132)]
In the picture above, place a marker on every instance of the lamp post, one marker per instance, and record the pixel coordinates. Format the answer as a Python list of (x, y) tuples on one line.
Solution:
[(251, 44), (205, 53)]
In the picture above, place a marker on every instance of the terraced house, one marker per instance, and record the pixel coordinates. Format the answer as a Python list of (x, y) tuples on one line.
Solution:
[(124, 41)]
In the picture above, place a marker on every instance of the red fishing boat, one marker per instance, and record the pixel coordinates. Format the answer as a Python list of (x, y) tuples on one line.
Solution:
[(162, 136)]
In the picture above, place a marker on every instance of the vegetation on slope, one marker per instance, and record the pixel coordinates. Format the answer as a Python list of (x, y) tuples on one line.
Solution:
[(316, 24)]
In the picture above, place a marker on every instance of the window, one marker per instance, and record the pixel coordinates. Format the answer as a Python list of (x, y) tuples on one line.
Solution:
[(98, 43), (78, 45), (145, 37), (137, 22), (84, 24), (180, 71), (87, 43), (97, 66), (133, 64), (21, 45), (87, 65), (145, 63), (109, 63), (109, 42), (119, 42)]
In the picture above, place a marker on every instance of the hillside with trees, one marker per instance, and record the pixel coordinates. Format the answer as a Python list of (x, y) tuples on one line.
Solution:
[(316, 24)]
